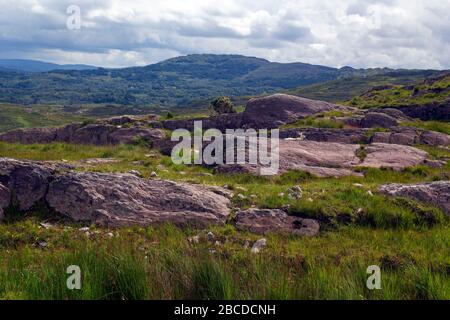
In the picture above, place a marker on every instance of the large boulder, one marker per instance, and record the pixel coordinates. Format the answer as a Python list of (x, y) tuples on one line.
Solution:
[(436, 193), (261, 221), (124, 199), (397, 157), (109, 199), (5, 200), (28, 181), (378, 120), (279, 109)]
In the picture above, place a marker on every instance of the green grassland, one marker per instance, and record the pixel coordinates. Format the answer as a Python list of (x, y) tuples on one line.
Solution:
[(14, 116), (408, 240), (422, 93)]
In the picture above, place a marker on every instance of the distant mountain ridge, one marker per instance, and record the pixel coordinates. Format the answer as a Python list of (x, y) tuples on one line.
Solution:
[(39, 66), (178, 81)]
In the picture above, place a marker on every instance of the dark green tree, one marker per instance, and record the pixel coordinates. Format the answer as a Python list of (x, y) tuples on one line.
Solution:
[(222, 105)]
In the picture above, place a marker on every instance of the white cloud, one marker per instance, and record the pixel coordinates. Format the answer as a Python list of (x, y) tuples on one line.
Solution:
[(366, 33)]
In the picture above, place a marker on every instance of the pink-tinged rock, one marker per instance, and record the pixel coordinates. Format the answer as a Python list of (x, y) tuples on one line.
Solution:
[(436, 193), (122, 199), (262, 221), (278, 109), (27, 180), (398, 157), (30, 136)]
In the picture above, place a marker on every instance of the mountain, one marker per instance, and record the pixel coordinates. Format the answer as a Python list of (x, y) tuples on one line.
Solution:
[(180, 81), (38, 66)]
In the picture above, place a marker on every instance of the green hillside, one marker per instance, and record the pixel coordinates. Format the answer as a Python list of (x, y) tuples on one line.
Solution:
[(433, 89), (180, 81)]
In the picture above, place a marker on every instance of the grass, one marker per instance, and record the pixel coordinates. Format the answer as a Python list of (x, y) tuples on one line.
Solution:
[(422, 93), (159, 263), (13, 117), (438, 126), (408, 240)]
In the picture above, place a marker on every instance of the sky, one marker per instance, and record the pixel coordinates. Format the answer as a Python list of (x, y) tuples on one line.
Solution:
[(357, 33)]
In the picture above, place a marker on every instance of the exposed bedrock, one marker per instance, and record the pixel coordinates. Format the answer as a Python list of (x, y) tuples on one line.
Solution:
[(109, 199), (436, 193)]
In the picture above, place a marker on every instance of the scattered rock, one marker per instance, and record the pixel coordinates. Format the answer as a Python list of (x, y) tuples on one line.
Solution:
[(259, 245), (436, 193), (210, 236), (295, 192), (135, 173), (262, 221), (358, 185), (84, 229), (153, 174), (241, 196)]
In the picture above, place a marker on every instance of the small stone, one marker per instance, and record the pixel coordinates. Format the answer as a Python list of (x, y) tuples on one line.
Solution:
[(84, 229), (42, 244), (46, 225), (110, 234), (194, 239), (358, 185), (135, 173), (310, 200), (281, 194), (240, 189), (360, 210), (295, 192), (217, 243), (259, 245), (370, 193), (253, 196), (246, 244), (210, 236), (241, 196), (153, 174)]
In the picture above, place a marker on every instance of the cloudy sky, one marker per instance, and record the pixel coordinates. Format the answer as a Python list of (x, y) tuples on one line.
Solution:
[(113, 33)]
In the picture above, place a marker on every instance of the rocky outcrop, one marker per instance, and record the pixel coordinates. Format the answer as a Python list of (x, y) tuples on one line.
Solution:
[(378, 120), (395, 135), (261, 113), (430, 111), (124, 199), (350, 136), (27, 181), (397, 157), (262, 221), (329, 159), (111, 199), (5, 200), (279, 109), (436, 193), (102, 132)]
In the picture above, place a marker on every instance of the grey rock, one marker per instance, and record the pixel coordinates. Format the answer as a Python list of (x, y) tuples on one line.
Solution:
[(436, 193), (262, 221), (259, 245), (122, 199), (380, 120), (397, 157)]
